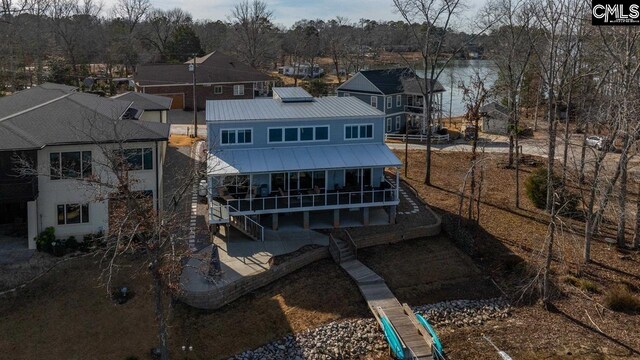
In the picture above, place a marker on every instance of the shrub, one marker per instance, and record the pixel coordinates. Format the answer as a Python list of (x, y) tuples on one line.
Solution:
[(584, 284), (71, 243), (44, 241), (536, 189), (621, 299)]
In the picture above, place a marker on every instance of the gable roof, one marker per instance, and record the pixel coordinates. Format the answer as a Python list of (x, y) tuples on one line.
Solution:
[(215, 67), (494, 106), (48, 116), (392, 81), (148, 102)]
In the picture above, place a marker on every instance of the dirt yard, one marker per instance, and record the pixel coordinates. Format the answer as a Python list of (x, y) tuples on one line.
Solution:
[(580, 326)]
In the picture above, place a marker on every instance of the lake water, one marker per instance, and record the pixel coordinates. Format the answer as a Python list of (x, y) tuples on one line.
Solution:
[(461, 71)]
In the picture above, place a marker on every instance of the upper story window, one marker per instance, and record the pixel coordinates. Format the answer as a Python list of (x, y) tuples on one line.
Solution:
[(398, 100), (389, 102), (70, 165), (217, 89), (352, 132), (236, 136), (138, 159), (296, 134), (238, 90), (374, 101)]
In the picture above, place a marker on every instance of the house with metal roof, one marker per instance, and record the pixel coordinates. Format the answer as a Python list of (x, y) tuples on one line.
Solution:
[(66, 137), (217, 76), (495, 118), (294, 153), (397, 92)]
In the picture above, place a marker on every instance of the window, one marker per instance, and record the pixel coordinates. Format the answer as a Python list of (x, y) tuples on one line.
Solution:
[(389, 102), (291, 134), (295, 134), (73, 214), (322, 133), (217, 90), (306, 134), (137, 159), (347, 94), (397, 122), (238, 90), (235, 136), (398, 100), (389, 125), (275, 135), (70, 165), (374, 101), (352, 132)]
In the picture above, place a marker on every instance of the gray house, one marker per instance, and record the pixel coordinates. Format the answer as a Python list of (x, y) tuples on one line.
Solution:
[(396, 92), (495, 119), (322, 157)]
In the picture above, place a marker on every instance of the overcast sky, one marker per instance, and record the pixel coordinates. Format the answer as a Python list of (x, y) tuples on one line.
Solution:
[(287, 12)]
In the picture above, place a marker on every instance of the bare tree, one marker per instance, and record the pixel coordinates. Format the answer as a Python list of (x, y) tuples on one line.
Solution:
[(253, 30), (132, 12), (430, 22), (160, 25)]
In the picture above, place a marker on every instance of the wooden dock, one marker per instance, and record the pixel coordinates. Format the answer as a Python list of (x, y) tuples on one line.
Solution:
[(417, 341)]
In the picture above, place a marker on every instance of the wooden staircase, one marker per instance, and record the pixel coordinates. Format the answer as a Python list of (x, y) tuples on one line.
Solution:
[(221, 214)]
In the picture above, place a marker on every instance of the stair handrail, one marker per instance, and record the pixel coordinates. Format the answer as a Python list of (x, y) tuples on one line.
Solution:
[(251, 221), (334, 249), (351, 243)]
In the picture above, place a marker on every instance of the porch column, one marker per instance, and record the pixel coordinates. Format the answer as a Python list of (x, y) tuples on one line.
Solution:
[(398, 183), (274, 221), (365, 216), (251, 194), (336, 218), (32, 223), (305, 221)]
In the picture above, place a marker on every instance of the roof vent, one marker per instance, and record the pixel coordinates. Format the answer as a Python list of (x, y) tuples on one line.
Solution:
[(291, 94)]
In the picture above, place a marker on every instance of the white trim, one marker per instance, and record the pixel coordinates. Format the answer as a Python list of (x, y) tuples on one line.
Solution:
[(374, 97), (398, 100), (207, 83), (398, 119), (216, 87), (236, 136), (283, 141), (388, 124), (354, 77), (359, 138), (389, 100)]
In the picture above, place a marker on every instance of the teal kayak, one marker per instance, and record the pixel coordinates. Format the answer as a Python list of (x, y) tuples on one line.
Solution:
[(392, 338), (432, 332)]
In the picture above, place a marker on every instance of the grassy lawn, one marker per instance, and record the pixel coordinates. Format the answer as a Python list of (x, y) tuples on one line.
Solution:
[(67, 315), (425, 271), (579, 327)]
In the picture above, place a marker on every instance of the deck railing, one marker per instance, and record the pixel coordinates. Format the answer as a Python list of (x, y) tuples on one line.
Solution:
[(246, 223), (417, 137), (313, 200), (351, 243)]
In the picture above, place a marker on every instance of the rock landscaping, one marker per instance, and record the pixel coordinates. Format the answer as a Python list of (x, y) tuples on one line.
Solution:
[(352, 339)]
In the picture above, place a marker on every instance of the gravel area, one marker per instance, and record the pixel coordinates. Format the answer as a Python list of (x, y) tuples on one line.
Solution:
[(353, 339)]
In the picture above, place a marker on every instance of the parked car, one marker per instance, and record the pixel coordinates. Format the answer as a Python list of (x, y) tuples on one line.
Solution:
[(597, 142)]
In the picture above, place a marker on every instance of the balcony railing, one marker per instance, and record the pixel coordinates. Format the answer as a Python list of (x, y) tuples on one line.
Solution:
[(301, 200)]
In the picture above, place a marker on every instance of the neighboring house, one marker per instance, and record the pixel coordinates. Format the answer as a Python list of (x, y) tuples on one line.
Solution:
[(396, 92), (495, 119), (302, 70), (65, 135), (322, 157), (153, 108), (218, 77)]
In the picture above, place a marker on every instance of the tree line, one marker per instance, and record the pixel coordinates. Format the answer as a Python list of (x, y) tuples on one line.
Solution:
[(57, 40)]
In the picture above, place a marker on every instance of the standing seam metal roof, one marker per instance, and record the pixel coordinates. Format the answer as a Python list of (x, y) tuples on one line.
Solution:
[(272, 109)]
